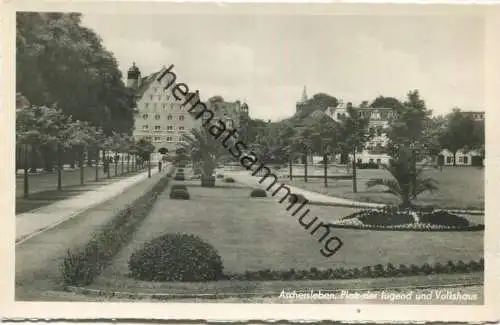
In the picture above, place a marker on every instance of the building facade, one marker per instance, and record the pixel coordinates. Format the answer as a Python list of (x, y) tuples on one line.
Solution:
[(379, 120), (160, 118), (163, 119)]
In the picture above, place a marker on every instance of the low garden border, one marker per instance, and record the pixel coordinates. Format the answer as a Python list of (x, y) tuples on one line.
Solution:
[(377, 271), (221, 295), (83, 265)]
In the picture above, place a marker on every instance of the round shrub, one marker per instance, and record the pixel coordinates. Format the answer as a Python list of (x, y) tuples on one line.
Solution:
[(176, 257), (299, 197), (178, 187), (444, 218), (258, 192), (179, 177), (179, 194), (229, 180), (385, 218)]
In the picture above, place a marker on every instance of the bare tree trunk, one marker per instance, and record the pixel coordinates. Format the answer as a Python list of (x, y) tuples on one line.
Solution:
[(59, 168), (354, 180), (305, 168), (26, 171), (291, 167), (325, 165), (82, 154)]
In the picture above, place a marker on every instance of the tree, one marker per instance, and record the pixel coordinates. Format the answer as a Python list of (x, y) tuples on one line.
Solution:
[(386, 102), (459, 133), (80, 137), (320, 101), (144, 149), (205, 152), (353, 134), (60, 61), (403, 184)]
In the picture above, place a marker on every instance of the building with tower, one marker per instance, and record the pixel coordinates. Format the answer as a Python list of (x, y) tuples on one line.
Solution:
[(160, 117), (303, 100), (163, 119)]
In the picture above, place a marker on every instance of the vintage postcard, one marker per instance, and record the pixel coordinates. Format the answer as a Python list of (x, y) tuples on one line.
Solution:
[(238, 161)]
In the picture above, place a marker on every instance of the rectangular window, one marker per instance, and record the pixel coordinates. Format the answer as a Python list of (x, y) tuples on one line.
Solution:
[(448, 160), (170, 128), (145, 127), (466, 160), (169, 139), (157, 128), (157, 139)]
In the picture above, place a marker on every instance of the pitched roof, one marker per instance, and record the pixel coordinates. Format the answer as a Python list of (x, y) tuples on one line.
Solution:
[(146, 82)]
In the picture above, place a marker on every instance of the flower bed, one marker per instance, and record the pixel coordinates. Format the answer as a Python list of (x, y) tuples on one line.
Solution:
[(392, 218)]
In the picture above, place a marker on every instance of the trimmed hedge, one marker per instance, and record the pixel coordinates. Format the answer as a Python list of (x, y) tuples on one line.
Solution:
[(300, 198), (179, 177), (178, 186), (176, 257), (375, 271), (83, 265), (229, 180), (258, 192), (179, 194)]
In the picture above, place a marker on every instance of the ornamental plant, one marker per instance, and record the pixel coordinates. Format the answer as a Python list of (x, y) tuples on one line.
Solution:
[(176, 257)]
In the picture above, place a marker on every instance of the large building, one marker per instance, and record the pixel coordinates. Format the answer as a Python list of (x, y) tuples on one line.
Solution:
[(163, 119), (229, 112), (379, 119), (160, 118)]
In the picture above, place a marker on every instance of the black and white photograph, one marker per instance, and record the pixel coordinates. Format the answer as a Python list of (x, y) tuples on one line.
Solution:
[(279, 155)]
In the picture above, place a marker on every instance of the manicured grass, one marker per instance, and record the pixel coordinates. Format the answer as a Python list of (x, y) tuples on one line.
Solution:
[(459, 187), (260, 234)]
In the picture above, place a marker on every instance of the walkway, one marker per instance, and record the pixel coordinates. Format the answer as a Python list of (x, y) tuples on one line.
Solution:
[(34, 222), (244, 177)]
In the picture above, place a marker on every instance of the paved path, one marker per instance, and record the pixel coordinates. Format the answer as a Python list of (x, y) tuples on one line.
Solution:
[(32, 223), (244, 177)]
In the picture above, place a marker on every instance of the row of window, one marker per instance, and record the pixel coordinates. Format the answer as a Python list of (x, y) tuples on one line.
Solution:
[(158, 128), (165, 105), (158, 116), (461, 160), (167, 139)]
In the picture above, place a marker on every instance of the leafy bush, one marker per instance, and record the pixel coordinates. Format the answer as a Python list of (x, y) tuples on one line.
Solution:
[(229, 180), (385, 218), (176, 257), (178, 187), (179, 177), (179, 194), (220, 176), (81, 266), (445, 219), (258, 192)]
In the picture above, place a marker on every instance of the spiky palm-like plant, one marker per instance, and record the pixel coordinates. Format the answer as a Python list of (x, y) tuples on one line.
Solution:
[(205, 151), (407, 183)]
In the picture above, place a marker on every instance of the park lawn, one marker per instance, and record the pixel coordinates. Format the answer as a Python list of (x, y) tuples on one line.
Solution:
[(254, 234), (459, 188)]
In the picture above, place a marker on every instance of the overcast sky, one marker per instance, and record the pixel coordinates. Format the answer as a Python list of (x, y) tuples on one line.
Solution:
[(267, 60)]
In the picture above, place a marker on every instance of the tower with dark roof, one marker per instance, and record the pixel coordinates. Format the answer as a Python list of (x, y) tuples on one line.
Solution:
[(302, 102), (133, 76)]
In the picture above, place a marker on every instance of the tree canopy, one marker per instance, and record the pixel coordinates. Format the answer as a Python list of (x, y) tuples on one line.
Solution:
[(59, 61)]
